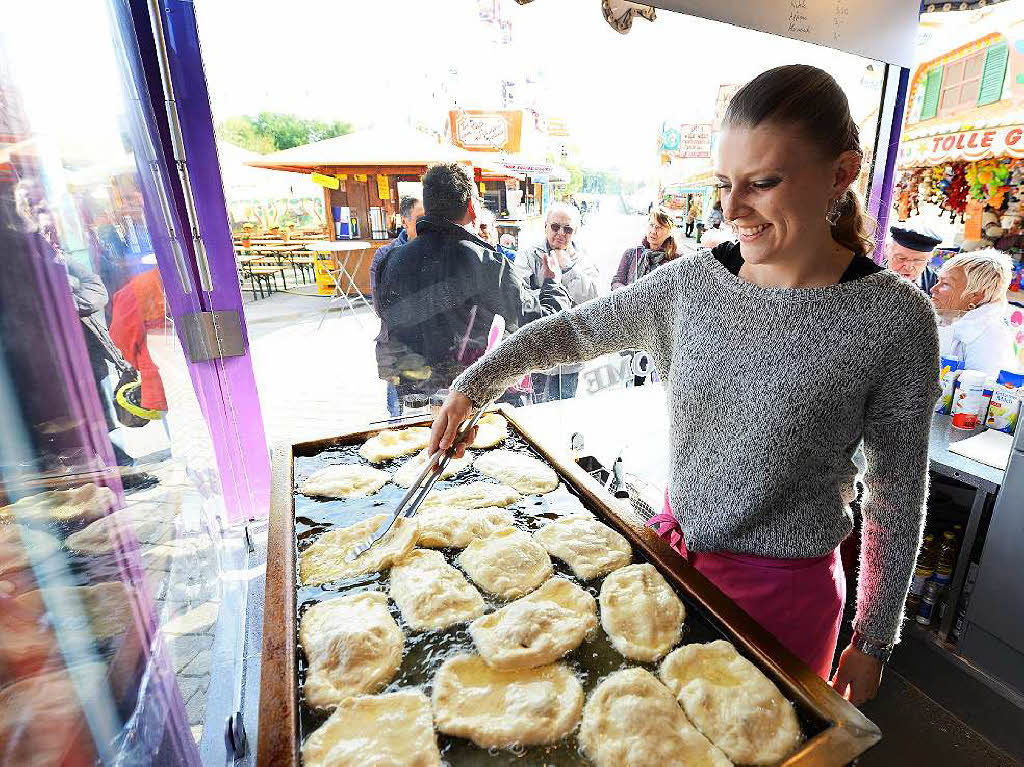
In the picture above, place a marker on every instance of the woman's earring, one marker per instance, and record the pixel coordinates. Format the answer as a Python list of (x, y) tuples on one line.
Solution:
[(833, 213)]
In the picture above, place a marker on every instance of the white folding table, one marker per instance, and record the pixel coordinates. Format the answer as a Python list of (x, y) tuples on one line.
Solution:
[(348, 256)]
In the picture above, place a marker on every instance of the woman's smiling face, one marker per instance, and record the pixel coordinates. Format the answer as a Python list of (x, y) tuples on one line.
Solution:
[(776, 189)]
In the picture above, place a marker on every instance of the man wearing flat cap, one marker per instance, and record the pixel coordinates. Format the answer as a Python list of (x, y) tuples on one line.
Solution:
[(909, 250)]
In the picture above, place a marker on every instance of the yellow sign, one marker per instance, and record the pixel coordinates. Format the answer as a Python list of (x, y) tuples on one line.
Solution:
[(361, 177), (383, 189), (343, 176), (331, 182), (482, 187)]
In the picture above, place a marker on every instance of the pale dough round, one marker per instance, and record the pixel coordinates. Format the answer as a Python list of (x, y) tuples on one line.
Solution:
[(445, 527), (150, 523), (538, 629), (17, 541), (394, 443), (589, 547), (632, 719), (502, 709), (105, 605), (641, 613), (525, 473), (728, 699), (348, 480), (393, 730), (475, 495), (431, 593), (86, 502), (508, 563), (492, 430), (325, 560), (411, 469), (352, 645)]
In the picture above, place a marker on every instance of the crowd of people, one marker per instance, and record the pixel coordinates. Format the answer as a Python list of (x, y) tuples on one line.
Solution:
[(968, 293)]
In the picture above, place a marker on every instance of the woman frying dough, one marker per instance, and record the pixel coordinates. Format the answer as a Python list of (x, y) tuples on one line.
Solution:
[(781, 354)]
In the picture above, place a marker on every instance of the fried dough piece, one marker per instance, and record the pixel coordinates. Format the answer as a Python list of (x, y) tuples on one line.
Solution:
[(394, 443), (86, 503), (538, 629), (589, 547), (443, 527), (508, 563), (410, 470), (475, 495), (431, 593), (393, 730), (528, 475), (631, 718), (353, 646), (641, 613), (502, 709), (728, 699), (492, 430), (326, 559), (348, 480)]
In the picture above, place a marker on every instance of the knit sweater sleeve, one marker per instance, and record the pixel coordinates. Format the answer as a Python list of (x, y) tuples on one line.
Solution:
[(637, 316), (896, 430)]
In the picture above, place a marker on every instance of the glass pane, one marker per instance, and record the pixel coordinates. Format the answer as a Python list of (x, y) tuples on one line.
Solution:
[(973, 65), (954, 73), (969, 92), (111, 545)]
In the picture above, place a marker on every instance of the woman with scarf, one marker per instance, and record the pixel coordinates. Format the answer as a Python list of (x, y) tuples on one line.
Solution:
[(657, 248)]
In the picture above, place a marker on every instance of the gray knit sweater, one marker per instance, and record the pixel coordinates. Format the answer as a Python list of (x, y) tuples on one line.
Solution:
[(770, 393)]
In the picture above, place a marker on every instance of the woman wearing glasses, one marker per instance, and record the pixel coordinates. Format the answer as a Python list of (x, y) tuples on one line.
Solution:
[(781, 354), (579, 278)]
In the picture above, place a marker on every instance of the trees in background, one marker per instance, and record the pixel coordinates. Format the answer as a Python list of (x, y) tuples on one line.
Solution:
[(273, 131)]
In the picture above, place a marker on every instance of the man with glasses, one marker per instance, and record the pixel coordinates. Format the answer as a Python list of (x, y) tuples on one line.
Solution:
[(580, 278), (909, 250), (439, 293)]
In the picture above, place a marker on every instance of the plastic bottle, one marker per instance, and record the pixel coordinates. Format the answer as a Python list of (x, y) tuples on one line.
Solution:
[(922, 573), (948, 550), (970, 403)]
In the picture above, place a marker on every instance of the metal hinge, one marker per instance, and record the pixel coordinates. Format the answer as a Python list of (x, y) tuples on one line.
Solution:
[(212, 335)]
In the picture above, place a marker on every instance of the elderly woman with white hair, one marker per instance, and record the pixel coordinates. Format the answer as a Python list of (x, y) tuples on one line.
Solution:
[(970, 297), (580, 279)]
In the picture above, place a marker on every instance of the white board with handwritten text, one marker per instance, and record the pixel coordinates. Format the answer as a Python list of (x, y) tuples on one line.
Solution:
[(884, 30)]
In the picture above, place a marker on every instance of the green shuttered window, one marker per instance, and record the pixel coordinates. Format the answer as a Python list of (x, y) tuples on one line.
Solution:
[(994, 74), (932, 84)]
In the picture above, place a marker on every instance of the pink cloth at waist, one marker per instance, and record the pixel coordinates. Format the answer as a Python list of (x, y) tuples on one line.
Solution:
[(800, 601)]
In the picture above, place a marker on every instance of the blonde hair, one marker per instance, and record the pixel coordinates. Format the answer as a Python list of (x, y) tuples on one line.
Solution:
[(988, 271), (810, 99), (662, 216)]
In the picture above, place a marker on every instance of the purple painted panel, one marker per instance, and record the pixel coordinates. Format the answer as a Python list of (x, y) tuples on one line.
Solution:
[(880, 202), (226, 389)]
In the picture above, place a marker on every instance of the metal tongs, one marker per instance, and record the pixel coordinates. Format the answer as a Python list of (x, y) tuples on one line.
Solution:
[(417, 493)]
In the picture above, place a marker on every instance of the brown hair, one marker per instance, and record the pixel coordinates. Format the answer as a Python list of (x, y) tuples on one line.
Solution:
[(664, 217), (810, 99)]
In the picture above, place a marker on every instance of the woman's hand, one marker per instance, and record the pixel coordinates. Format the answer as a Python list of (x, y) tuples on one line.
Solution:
[(456, 409), (858, 676)]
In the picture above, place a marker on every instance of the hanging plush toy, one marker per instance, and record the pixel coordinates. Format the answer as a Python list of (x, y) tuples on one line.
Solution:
[(903, 196), (956, 193), (935, 177)]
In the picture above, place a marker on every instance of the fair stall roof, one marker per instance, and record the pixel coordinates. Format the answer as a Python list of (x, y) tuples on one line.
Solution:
[(373, 148)]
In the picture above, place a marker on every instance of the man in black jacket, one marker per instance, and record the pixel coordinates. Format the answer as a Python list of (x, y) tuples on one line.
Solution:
[(440, 292)]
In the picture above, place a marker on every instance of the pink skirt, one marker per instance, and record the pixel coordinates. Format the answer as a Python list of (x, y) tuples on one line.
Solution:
[(799, 601)]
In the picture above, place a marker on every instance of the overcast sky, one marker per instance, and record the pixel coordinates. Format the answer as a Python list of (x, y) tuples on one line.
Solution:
[(377, 62)]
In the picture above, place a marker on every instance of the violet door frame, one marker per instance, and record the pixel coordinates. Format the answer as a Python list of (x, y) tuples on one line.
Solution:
[(226, 388), (887, 144)]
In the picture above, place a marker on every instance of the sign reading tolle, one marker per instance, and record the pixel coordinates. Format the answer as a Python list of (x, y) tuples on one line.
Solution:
[(970, 145)]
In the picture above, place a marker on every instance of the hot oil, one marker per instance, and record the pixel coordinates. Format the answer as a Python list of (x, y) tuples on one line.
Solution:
[(424, 652)]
